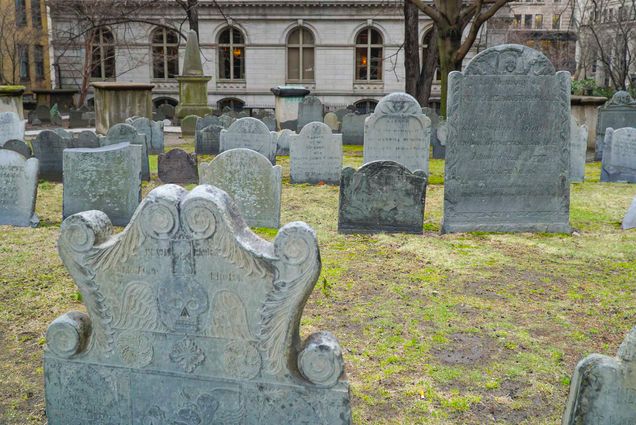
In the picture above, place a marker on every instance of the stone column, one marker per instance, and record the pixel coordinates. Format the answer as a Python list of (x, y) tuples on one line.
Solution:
[(193, 85), (11, 99), (114, 102)]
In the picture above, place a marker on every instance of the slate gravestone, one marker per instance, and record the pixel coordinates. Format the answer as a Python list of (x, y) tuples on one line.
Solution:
[(629, 221), (250, 133), (18, 146), (382, 196), (178, 166), (107, 179), (251, 180), (578, 151), (208, 140), (43, 113), (603, 388), (11, 127), (618, 112), (283, 141), (202, 123), (63, 133), (153, 130), (315, 155), (309, 110), (619, 156), (353, 129), (270, 122), (47, 148), (192, 320), (188, 125), (87, 139), (398, 131), (126, 133), (166, 110), (227, 120), (331, 120), (508, 147), (18, 189)]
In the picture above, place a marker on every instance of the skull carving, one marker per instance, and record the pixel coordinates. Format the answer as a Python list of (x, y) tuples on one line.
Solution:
[(181, 301)]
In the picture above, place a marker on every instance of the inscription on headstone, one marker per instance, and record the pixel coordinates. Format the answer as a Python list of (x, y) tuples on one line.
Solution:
[(619, 156), (250, 133), (315, 155), (18, 189), (178, 166)]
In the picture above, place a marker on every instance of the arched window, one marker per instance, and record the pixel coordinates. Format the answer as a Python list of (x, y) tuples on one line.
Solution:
[(369, 53), (428, 44), (300, 56), (230, 102), (103, 62), (366, 106), (231, 55), (165, 54)]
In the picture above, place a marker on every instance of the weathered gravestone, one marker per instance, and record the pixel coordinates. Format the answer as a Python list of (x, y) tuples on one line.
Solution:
[(250, 133), (178, 166), (107, 179), (43, 113), (192, 320), (619, 156), (437, 147), (126, 133), (203, 122), (227, 120), (331, 120), (353, 129), (270, 122), (18, 189), (48, 148), (618, 112), (18, 146), (578, 150), (315, 155), (507, 153), (80, 118), (603, 388), (11, 127), (398, 131), (153, 130), (340, 113), (87, 139), (188, 125), (209, 140), (309, 110), (251, 180), (382, 196), (629, 221), (283, 141), (166, 110)]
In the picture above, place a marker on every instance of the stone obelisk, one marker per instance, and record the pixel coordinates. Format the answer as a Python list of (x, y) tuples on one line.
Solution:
[(193, 85)]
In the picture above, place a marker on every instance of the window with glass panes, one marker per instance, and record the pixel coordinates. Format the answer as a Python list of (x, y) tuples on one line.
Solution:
[(103, 54), (38, 59), (369, 53), (300, 56), (231, 55), (165, 54), (23, 56), (36, 14)]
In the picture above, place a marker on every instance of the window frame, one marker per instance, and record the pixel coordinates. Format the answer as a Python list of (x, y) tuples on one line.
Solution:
[(301, 46), (369, 46), (38, 62), (165, 57), (21, 17), (23, 57), (231, 45), (102, 46), (36, 18)]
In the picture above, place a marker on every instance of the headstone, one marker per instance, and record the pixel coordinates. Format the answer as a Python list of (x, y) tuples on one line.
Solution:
[(178, 166), (251, 180), (603, 388), (438, 139), (31, 117), (48, 147), (242, 114), (192, 320), (227, 120), (578, 151), (166, 110), (283, 141), (18, 189), (398, 131), (340, 113), (126, 133), (270, 122), (153, 130), (11, 127), (201, 123), (309, 110), (618, 112), (77, 119), (619, 156), (315, 155), (629, 221), (507, 153), (87, 139), (18, 146), (208, 140), (353, 129), (43, 113), (63, 133), (106, 179), (382, 196), (331, 120), (188, 125), (249, 133)]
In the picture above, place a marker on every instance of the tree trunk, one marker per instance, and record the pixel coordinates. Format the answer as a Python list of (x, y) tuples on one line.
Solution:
[(449, 42), (425, 81), (193, 15), (411, 48), (86, 70)]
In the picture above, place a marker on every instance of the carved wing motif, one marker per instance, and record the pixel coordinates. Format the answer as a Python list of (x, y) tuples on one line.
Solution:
[(139, 309), (228, 248), (120, 247)]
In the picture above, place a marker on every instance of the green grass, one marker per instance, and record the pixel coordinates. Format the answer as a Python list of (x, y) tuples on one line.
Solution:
[(436, 329)]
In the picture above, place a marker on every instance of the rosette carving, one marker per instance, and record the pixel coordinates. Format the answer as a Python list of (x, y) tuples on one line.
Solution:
[(198, 218)]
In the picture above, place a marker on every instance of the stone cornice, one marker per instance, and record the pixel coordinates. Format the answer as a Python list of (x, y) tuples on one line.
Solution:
[(304, 3)]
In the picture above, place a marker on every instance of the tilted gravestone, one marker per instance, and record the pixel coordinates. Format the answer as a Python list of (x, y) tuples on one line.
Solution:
[(11, 127), (107, 179), (382, 196), (619, 156), (578, 151), (177, 166), (315, 155), (18, 146), (629, 221), (126, 133), (18, 189), (188, 125), (48, 148), (352, 128), (208, 140), (618, 112), (192, 319), (202, 123), (331, 119), (251, 180), (153, 130), (283, 141), (398, 131), (87, 139), (309, 110), (508, 147), (250, 133), (603, 388)]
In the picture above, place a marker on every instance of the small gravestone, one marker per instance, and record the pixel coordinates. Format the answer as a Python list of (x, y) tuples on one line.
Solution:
[(578, 151), (126, 133), (43, 113), (331, 120), (192, 319), (87, 139), (227, 120), (398, 131), (208, 140), (188, 125), (629, 221), (76, 119), (283, 141), (508, 148), (107, 179), (203, 122), (309, 110), (63, 133), (18, 189), (353, 129), (315, 155), (48, 148), (11, 127), (178, 166), (251, 180), (382, 196), (153, 130), (618, 112), (166, 110), (603, 388), (250, 133), (619, 156), (18, 146), (270, 122)]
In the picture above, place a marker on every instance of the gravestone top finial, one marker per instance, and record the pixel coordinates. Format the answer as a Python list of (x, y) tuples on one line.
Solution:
[(192, 62), (510, 59), (621, 98)]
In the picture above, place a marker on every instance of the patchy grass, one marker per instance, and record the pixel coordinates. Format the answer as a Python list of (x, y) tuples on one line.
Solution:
[(436, 329)]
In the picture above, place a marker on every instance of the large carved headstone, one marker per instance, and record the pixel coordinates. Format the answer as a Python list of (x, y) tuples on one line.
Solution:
[(250, 133), (603, 388), (618, 112), (619, 156), (126, 133), (18, 189), (398, 131), (11, 127), (192, 319), (508, 147), (48, 148), (578, 151), (153, 130), (177, 166), (382, 196), (315, 155), (107, 179), (251, 180), (309, 110), (352, 128)]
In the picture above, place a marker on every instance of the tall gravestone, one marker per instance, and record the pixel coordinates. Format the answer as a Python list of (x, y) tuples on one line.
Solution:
[(177, 166), (11, 127), (578, 151), (193, 85), (250, 133), (126, 133), (508, 147), (619, 156), (153, 130), (398, 131), (353, 129), (315, 155), (382, 196), (48, 148), (192, 319), (18, 189), (309, 110), (107, 179), (629, 221), (251, 180), (618, 112)]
